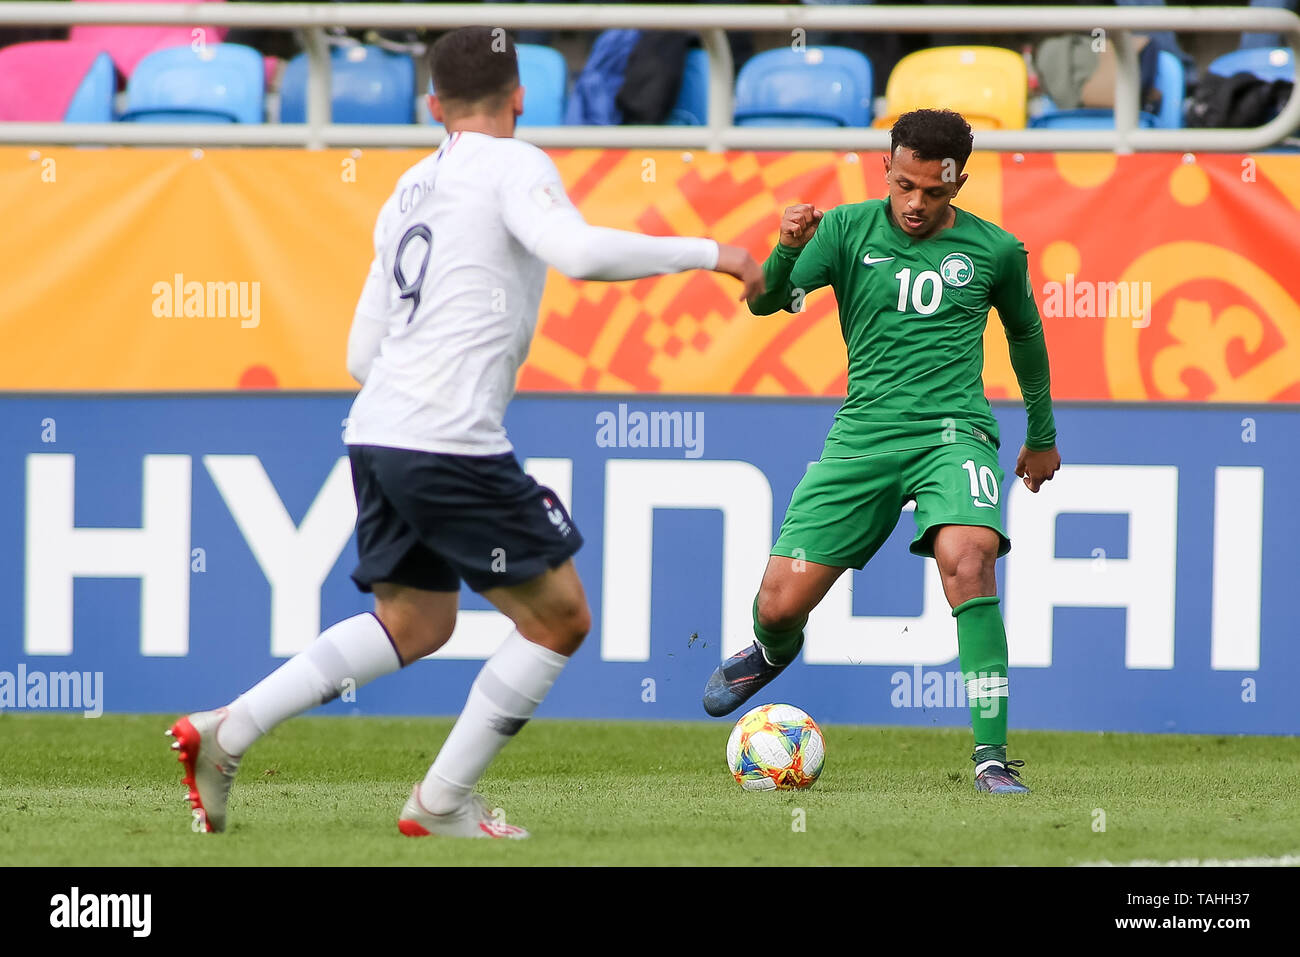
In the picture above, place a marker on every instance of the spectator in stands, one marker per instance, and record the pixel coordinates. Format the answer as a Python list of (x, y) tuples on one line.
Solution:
[(634, 76), (742, 43), (1165, 39)]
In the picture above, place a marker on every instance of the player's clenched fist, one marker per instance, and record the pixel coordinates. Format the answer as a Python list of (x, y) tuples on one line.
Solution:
[(1037, 467), (798, 223), (737, 262)]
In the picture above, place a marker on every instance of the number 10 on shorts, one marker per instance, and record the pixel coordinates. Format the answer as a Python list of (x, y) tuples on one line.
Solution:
[(982, 483)]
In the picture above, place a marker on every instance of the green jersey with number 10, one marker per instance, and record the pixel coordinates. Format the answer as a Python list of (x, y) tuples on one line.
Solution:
[(913, 314)]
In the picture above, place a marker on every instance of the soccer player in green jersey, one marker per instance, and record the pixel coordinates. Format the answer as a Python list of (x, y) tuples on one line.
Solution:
[(914, 278)]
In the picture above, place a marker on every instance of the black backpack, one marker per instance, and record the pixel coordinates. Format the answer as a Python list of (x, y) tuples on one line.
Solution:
[(1239, 101)]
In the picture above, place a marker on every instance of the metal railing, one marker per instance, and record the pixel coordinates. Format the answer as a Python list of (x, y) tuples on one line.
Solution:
[(711, 22)]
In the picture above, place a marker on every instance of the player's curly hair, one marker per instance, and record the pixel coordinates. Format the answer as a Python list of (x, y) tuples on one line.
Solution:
[(932, 135), (474, 65)]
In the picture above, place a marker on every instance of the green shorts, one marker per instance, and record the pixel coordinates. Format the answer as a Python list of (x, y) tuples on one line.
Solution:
[(844, 509)]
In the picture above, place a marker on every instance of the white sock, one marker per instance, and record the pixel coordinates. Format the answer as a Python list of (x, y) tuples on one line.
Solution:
[(347, 655), (982, 765), (504, 696)]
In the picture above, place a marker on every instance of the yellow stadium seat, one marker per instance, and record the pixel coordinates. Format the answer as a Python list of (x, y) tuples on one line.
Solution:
[(987, 85)]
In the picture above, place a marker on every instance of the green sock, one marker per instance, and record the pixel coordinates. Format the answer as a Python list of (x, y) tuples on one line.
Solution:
[(982, 650), (781, 647)]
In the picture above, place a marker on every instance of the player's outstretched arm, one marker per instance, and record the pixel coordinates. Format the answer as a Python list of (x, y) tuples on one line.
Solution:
[(582, 251), (790, 274), (539, 213)]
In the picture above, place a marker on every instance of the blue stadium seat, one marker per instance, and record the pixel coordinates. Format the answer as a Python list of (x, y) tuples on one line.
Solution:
[(1085, 118), (1171, 83), (819, 86), (93, 101), (544, 75), (367, 85), (1269, 64), (221, 83), (692, 106)]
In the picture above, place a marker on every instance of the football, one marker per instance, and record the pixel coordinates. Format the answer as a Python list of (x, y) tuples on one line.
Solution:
[(776, 747)]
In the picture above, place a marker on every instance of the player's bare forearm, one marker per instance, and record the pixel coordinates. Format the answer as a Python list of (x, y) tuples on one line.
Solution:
[(735, 261), (776, 274)]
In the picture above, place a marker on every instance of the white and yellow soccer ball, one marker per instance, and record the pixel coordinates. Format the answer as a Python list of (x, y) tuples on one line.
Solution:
[(776, 747)]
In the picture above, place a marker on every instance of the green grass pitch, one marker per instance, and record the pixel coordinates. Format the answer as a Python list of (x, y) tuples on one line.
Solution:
[(328, 790)]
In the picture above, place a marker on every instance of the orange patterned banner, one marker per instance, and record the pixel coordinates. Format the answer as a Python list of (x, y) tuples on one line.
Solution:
[(1159, 277)]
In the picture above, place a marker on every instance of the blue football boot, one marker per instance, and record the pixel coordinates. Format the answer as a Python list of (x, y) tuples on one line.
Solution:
[(737, 680), (997, 779)]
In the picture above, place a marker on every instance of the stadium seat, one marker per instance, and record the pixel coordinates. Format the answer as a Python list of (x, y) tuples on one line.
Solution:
[(52, 80), (987, 85), (544, 74), (819, 86), (1085, 118), (222, 83), (1267, 64), (1171, 83), (131, 44), (93, 102), (367, 84), (692, 106)]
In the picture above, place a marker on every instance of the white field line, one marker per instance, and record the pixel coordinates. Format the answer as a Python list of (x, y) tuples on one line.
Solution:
[(1286, 860)]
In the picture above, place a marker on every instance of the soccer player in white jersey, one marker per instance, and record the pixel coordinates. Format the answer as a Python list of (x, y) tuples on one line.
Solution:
[(444, 322)]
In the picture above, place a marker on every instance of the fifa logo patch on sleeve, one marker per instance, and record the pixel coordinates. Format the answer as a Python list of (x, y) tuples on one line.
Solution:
[(548, 195)]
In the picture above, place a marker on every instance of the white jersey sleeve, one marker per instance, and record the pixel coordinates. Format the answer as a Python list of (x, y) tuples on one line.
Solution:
[(538, 212)]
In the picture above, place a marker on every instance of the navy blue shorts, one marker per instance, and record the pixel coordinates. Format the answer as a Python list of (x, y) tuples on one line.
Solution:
[(429, 520)]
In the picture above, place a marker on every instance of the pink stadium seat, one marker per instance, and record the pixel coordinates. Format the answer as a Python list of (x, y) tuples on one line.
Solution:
[(129, 45), (38, 81)]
